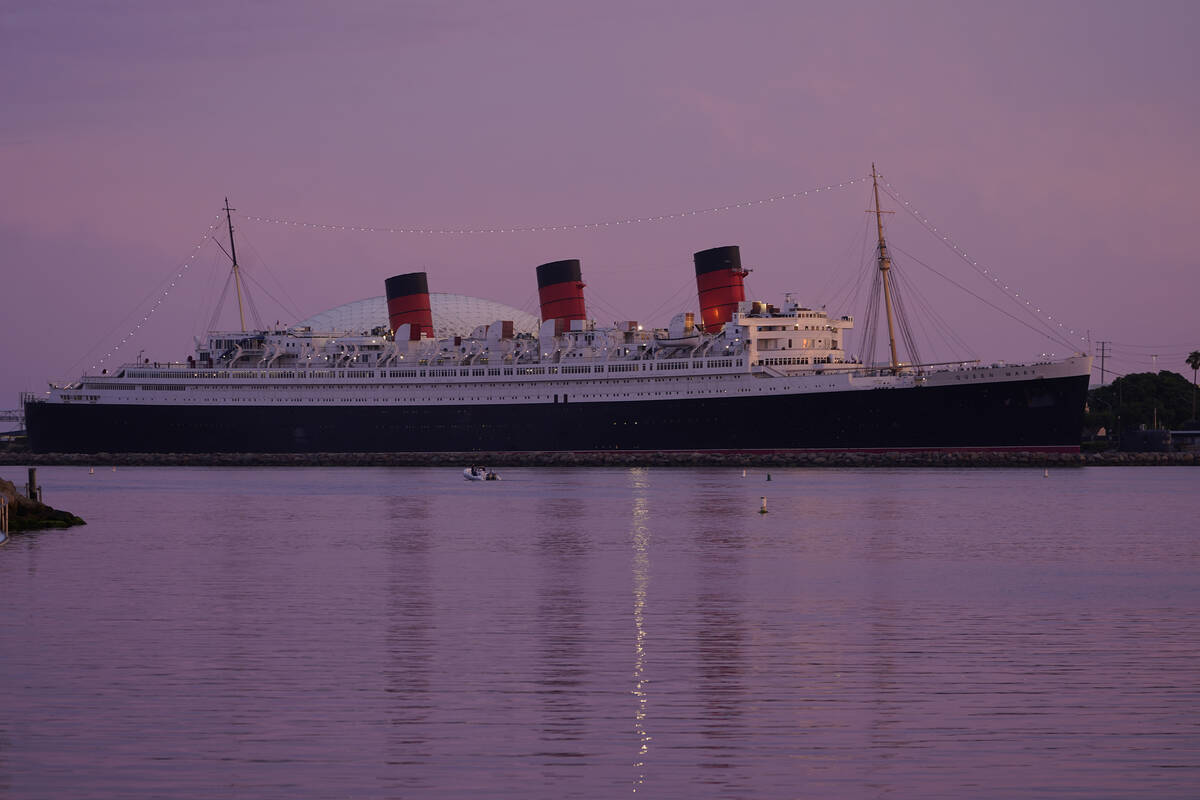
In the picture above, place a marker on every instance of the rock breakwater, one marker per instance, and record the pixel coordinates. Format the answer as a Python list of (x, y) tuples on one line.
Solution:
[(609, 459)]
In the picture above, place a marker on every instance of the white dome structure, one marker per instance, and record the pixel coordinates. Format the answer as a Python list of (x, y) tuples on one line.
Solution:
[(453, 315)]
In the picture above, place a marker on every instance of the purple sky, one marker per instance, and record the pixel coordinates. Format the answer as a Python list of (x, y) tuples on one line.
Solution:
[(1054, 142)]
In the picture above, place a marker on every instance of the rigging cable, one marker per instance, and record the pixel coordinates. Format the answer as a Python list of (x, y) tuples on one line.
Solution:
[(906, 333), (294, 310), (172, 279), (852, 285), (866, 348), (996, 283), (594, 301), (906, 290), (945, 239), (250, 300), (216, 315), (986, 302), (949, 336), (690, 281)]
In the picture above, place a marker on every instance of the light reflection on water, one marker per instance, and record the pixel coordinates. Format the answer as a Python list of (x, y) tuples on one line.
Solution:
[(641, 584), (601, 632)]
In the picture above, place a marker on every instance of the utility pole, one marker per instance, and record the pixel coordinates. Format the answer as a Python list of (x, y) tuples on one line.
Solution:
[(1103, 353), (1154, 361)]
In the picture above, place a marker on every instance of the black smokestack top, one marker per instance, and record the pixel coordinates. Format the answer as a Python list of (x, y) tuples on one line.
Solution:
[(559, 272), (404, 285), (716, 258)]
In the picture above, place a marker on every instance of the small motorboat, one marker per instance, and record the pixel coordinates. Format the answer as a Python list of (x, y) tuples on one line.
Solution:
[(479, 474)]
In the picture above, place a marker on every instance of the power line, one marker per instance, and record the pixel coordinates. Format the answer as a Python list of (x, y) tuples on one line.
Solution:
[(1156, 346)]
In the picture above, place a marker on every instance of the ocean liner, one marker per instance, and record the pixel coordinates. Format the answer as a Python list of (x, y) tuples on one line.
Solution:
[(742, 376)]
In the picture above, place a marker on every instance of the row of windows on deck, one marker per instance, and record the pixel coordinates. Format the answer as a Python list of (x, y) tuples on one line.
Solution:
[(580, 391), (444, 372)]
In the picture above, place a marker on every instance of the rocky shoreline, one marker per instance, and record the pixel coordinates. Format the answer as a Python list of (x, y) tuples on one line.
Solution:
[(606, 459), (30, 515)]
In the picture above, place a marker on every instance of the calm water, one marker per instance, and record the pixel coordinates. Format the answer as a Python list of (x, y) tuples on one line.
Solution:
[(363, 633)]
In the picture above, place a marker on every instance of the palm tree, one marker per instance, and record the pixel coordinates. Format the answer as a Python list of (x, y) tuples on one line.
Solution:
[(1193, 361)]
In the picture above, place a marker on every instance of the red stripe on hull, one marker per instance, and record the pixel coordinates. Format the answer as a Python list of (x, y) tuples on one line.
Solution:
[(1049, 449)]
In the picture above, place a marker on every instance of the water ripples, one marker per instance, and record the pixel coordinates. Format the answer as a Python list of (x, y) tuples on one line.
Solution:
[(604, 632)]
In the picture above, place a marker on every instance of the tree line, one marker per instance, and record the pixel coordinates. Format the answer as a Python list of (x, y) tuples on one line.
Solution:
[(1165, 400)]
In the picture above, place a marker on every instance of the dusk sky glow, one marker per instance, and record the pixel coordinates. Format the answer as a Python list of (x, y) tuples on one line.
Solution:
[(1053, 142)]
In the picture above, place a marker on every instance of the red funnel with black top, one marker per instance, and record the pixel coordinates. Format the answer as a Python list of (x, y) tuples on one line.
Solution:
[(560, 291), (408, 303), (719, 277)]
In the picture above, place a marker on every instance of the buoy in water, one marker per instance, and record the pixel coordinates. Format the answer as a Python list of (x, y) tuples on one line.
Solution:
[(763, 510), (743, 473), (91, 470), (1045, 473), (768, 476)]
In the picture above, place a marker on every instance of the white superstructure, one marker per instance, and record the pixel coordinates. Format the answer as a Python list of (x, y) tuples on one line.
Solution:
[(762, 350)]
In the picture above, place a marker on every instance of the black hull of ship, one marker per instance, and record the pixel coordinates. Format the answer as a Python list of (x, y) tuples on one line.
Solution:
[(1038, 415)]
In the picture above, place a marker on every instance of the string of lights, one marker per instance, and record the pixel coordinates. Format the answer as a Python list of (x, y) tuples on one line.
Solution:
[(162, 296), (486, 231), (946, 240)]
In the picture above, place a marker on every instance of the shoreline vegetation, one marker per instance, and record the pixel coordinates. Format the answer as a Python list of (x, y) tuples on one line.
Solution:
[(609, 459)]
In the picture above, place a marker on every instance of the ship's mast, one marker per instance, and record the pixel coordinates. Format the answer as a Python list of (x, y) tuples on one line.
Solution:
[(885, 264), (237, 279)]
